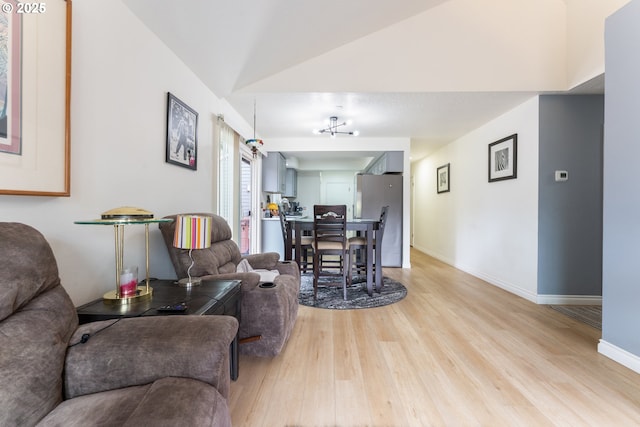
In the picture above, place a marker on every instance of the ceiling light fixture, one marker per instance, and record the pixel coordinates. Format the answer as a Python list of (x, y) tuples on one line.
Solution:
[(333, 128)]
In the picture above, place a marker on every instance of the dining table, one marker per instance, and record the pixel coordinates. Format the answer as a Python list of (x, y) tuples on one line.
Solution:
[(298, 226)]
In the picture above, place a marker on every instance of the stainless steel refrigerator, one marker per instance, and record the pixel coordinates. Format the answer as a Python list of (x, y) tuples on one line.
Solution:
[(372, 193)]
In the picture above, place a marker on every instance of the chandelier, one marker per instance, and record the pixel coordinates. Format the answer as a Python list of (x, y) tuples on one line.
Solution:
[(254, 143), (334, 126)]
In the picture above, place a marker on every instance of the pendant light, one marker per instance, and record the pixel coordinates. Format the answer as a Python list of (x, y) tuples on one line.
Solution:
[(254, 143)]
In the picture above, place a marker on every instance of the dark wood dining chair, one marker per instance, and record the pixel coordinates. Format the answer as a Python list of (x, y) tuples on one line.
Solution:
[(306, 244), (357, 250), (329, 244)]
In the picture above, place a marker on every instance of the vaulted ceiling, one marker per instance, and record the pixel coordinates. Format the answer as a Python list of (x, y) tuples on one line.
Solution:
[(429, 70)]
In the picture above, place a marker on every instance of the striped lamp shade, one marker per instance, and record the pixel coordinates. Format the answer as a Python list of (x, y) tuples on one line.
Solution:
[(192, 232)]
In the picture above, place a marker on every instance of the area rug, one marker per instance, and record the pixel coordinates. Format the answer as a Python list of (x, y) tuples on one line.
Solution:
[(589, 314), (330, 295)]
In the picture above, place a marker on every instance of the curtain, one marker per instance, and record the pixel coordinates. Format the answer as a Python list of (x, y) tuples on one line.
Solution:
[(225, 167)]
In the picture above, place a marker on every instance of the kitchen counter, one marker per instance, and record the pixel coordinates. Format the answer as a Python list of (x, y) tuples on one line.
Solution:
[(272, 240), (276, 218)]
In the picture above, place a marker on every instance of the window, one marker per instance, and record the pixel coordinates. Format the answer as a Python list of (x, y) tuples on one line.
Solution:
[(237, 180)]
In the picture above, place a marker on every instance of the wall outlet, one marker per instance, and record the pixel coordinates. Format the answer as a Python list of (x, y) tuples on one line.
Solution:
[(562, 176)]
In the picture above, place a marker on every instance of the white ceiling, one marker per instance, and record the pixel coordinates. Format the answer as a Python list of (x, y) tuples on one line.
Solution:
[(266, 51)]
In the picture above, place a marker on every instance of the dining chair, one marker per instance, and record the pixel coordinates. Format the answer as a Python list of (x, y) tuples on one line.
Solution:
[(329, 244), (357, 249), (306, 244)]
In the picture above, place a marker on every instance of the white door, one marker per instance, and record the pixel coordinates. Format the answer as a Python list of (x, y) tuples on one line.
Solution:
[(246, 207), (249, 203), (338, 190)]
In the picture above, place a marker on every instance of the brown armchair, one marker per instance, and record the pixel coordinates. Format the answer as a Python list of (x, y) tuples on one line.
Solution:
[(267, 314), (168, 370)]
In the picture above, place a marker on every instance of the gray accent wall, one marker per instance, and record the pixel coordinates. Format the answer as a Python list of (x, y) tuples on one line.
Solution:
[(621, 233), (570, 212)]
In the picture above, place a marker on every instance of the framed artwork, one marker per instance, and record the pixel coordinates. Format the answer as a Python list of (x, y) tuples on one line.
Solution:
[(503, 159), (443, 179), (182, 131), (35, 87)]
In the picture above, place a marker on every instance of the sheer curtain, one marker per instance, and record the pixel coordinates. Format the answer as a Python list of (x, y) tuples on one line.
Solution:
[(225, 168)]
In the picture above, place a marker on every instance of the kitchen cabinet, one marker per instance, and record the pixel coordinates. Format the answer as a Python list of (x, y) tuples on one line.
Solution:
[(274, 171), (291, 183), (389, 162)]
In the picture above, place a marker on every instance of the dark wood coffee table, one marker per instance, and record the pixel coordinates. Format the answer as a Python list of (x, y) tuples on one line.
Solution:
[(212, 297)]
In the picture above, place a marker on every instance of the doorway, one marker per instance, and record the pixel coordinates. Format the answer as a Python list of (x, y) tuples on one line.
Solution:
[(249, 202), (245, 206)]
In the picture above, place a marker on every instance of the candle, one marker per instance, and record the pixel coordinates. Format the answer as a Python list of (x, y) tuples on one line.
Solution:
[(128, 281)]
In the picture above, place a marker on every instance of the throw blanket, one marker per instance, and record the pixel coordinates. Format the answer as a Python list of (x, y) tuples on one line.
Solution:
[(265, 275)]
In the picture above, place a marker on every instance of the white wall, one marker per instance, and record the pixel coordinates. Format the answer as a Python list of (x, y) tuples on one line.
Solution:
[(121, 74), (585, 40), (309, 188), (486, 229), (496, 45)]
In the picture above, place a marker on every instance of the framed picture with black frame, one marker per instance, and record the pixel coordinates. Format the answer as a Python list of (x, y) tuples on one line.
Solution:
[(182, 131), (443, 179), (503, 158)]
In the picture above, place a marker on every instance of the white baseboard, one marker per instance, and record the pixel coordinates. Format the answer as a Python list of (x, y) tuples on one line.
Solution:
[(569, 299), (530, 296), (491, 280), (619, 355), (523, 293)]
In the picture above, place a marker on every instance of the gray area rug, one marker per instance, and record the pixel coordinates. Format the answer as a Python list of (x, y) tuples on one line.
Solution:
[(588, 314), (330, 293)]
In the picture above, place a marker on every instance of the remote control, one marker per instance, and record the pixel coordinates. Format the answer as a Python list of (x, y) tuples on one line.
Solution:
[(173, 308)]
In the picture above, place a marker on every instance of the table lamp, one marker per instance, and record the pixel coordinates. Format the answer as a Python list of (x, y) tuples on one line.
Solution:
[(192, 232)]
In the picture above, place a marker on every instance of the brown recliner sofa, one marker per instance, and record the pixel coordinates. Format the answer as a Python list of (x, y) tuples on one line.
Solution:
[(160, 370), (267, 314)]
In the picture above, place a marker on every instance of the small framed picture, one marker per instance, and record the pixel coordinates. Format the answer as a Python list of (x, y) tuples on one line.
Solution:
[(182, 131), (443, 179), (503, 158)]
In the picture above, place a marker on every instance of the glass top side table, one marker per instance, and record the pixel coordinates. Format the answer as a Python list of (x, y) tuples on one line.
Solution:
[(142, 292)]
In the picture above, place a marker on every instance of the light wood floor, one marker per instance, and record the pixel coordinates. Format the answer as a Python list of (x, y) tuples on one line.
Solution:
[(455, 352)]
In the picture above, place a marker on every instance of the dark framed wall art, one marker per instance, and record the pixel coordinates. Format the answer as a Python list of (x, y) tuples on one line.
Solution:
[(503, 158), (182, 131), (443, 179)]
